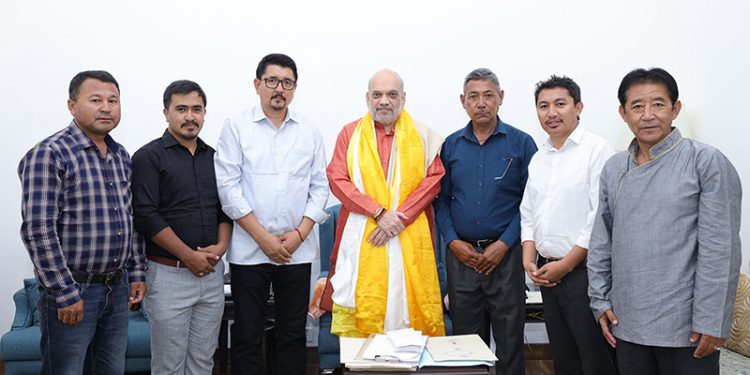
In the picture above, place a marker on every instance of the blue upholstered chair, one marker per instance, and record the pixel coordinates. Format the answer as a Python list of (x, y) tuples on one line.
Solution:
[(19, 348), (328, 344)]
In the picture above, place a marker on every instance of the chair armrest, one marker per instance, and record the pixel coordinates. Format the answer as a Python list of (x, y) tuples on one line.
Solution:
[(22, 318)]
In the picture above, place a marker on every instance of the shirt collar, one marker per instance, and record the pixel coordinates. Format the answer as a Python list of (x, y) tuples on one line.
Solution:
[(575, 137), (84, 141), (500, 128), (659, 149), (170, 141), (258, 116)]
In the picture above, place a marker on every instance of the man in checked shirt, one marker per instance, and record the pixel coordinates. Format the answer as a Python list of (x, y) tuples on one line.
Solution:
[(78, 229)]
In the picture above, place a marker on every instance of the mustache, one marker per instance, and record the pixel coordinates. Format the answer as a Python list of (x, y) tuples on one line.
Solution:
[(189, 122), (279, 96)]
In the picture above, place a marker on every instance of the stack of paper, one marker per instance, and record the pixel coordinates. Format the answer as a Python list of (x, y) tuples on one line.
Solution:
[(395, 350), (402, 346), (403, 350)]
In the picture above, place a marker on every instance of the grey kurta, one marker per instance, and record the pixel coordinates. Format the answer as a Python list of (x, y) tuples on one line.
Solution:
[(665, 248)]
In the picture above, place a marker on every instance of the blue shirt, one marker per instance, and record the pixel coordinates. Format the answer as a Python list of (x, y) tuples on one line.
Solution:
[(77, 213), (483, 184)]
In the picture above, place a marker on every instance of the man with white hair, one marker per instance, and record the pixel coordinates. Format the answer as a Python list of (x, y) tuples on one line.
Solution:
[(386, 172)]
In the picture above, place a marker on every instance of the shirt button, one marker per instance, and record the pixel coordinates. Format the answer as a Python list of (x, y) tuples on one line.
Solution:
[(478, 203), (477, 221), (115, 208), (119, 233), (480, 184), (481, 165)]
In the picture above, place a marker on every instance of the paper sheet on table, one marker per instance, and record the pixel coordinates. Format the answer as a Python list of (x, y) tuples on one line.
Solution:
[(349, 348), (407, 338), (382, 348), (459, 348), (427, 360)]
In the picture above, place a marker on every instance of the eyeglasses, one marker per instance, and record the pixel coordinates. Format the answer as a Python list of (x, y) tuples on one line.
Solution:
[(273, 82)]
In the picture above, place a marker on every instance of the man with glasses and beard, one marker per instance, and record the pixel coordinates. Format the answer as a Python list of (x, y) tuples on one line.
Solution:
[(270, 170)]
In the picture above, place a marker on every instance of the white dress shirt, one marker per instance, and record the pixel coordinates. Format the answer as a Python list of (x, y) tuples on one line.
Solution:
[(277, 174), (562, 193)]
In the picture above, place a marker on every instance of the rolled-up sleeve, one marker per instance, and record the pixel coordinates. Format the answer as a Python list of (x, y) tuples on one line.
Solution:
[(228, 166), (318, 192), (146, 217)]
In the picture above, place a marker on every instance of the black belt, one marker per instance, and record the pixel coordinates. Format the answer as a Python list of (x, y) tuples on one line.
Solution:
[(108, 278), (482, 244), (542, 260)]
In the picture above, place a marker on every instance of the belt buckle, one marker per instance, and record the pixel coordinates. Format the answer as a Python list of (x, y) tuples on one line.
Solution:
[(111, 277)]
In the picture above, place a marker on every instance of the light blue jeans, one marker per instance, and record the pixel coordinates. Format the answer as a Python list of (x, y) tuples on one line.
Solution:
[(102, 334), (185, 314)]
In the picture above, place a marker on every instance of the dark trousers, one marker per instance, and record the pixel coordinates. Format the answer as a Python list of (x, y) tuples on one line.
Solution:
[(250, 291), (478, 302), (576, 341), (638, 359), (97, 344)]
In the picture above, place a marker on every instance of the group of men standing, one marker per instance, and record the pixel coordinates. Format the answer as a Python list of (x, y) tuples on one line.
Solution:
[(651, 247)]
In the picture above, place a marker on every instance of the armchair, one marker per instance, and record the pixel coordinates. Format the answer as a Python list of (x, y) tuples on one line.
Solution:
[(19, 348)]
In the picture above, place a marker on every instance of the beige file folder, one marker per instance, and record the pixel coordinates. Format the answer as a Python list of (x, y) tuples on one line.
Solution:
[(459, 348)]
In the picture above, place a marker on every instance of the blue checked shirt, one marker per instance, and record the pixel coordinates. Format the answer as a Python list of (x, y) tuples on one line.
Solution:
[(76, 211)]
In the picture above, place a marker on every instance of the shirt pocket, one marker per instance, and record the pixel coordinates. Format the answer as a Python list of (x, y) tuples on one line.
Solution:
[(505, 172), (299, 161)]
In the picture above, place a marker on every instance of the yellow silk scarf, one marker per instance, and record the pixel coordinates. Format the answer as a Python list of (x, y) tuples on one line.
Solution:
[(420, 273)]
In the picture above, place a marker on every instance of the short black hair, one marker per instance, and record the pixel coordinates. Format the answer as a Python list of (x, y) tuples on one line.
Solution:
[(653, 75), (183, 87), (279, 59), (99, 75), (553, 82)]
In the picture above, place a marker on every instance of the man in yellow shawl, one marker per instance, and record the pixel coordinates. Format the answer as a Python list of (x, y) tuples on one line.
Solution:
[(386, 172)]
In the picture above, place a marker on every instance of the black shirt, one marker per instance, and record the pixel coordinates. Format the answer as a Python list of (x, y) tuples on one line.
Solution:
[(172, 188)]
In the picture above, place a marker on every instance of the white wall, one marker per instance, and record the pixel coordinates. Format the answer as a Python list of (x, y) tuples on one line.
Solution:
[(338, 45)]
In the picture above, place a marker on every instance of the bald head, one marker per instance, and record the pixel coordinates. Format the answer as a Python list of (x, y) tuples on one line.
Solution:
[(385, 97), (386, 74)]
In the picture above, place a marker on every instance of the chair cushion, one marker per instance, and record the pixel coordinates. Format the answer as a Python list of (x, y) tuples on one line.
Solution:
[(739, 341), (32, 296), (139, 336), (22, 345)]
